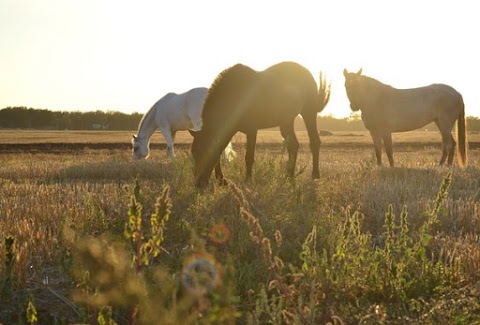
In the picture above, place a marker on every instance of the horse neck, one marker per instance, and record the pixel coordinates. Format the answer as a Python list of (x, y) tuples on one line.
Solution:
[(378, 85), (147, 125), (374, 90)]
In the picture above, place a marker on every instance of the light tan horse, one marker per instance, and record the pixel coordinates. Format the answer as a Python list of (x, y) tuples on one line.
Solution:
[(386, 109)]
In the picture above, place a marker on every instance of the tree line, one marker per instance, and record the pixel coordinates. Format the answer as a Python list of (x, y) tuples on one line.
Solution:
[(30, 118), (44, 119)]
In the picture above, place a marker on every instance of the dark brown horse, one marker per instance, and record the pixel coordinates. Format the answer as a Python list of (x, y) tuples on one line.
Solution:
[(245, 100), (386, 109)]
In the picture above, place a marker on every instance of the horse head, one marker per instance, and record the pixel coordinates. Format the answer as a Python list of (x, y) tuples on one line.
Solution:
[(140, 148), (353, 87), (204, 157)]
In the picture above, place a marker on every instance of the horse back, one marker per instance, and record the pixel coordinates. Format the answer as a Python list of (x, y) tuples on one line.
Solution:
[(292, 85), (435, 100), (195, 102), (400, 110), (181, 111), (286, 90), (259, 99), (291, 75)]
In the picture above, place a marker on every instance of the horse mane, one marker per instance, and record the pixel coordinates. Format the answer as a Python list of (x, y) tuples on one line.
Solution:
[(233, 75), (374, 83), (231, 82), (146, 117)]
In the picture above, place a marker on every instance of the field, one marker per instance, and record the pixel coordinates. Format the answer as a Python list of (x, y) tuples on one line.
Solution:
[(89, 236)]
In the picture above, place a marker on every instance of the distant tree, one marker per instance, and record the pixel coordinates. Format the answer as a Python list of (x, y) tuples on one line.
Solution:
[(41, 119), (15, 117), (473, 124), (30, 118), (121, 121)]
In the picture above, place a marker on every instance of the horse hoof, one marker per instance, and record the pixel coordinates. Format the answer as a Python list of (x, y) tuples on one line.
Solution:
[(200, 184)]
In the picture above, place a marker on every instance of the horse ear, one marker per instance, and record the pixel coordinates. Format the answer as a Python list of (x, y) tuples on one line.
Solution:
[(192, 133), (345, 72), (359, 71)]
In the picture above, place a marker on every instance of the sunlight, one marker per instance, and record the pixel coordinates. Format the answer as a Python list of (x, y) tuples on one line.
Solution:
[(114, 55)]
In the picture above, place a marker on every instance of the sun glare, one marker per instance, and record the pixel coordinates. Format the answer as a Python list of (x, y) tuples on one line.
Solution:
[(114, 55)]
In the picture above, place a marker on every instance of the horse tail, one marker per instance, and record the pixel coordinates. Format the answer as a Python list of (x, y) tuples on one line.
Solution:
[(229, 154), (323, 92), (462, 137)]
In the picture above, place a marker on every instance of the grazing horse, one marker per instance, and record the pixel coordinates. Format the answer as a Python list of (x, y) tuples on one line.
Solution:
[(172, 113), (386, 109), (245, 100)]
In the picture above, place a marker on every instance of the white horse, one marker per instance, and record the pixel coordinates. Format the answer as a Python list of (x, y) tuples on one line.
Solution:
[(172, 113)]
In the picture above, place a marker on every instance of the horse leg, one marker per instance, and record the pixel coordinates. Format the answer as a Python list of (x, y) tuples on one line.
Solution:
[(447, 141), (218, 169), (447, 148), (219, 174), (288, 134), (377, 143), (387, 141), (196, 123), (250, 154), (311, 125), (172, 148), (167, 134), (229, 154), (451, 153)]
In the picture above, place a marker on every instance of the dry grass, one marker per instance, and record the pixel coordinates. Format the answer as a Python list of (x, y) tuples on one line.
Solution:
[(42, 193), (264, 136)]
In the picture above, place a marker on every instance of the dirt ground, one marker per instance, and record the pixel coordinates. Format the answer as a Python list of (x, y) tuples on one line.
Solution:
[(12, 141)]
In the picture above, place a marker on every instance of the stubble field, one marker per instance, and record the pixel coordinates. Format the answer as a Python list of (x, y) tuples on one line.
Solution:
[(363, 244)]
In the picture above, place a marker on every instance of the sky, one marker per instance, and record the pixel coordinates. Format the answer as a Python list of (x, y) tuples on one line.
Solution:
[(87, 55)]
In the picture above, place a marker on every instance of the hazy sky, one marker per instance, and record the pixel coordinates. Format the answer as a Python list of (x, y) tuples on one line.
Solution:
[(125, 55)]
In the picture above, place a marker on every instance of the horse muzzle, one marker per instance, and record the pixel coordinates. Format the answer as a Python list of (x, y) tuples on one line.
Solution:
[(138, 157), (354, 108)]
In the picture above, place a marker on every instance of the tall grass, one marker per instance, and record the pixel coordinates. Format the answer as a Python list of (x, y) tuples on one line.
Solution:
[(360, 245)]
